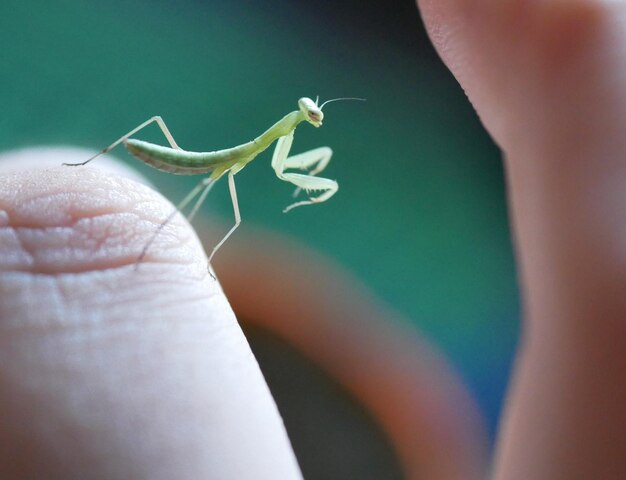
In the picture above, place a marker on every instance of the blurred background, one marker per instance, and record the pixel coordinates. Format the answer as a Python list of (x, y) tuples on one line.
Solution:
[(420, 217)]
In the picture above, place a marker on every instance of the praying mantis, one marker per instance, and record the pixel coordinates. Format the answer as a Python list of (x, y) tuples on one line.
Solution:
[(230, 161)]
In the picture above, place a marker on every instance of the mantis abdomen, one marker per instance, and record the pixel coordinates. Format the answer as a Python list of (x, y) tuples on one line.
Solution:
[(181, 162)]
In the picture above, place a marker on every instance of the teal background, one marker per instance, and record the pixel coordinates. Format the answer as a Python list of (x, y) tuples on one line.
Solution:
[(420, 215)]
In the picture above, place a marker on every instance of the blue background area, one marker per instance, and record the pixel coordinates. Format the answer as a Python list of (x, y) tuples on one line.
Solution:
[(420, 216)]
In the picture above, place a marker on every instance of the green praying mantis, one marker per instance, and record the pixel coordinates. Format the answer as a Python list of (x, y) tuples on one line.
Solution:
[(230, 161)]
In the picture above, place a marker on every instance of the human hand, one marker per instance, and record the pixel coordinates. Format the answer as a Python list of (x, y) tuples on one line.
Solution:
[(100, 361), (547, 78)]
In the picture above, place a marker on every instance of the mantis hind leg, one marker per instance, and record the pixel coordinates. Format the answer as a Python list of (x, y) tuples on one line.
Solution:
[(123, 138), (233, 196), (203, 188)]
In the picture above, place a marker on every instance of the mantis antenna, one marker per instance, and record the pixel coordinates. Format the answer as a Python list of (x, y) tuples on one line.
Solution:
[(338, 99)]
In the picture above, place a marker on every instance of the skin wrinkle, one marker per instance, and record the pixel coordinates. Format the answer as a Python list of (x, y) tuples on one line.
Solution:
[(86, 229), (171, 291), (79, 209), (73, 219), (72, 201), (109, 303), (21, 246), (101, 239)]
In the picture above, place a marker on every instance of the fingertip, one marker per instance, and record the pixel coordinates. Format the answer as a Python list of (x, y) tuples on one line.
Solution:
[(512, 57), (111, 370), (72, 219)]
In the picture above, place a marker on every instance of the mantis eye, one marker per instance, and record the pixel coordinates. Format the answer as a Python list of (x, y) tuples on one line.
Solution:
[(315, 115)]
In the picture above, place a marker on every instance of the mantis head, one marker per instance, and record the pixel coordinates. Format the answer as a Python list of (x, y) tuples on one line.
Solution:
[(312, 113)]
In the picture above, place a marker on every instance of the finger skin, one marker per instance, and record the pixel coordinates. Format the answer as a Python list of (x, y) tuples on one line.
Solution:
[(107, 371), (547, 78), (515, 59)]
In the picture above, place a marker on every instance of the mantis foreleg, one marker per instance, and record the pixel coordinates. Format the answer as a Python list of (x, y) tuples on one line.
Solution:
[(309, 183), (303, 161), (321, 156)]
